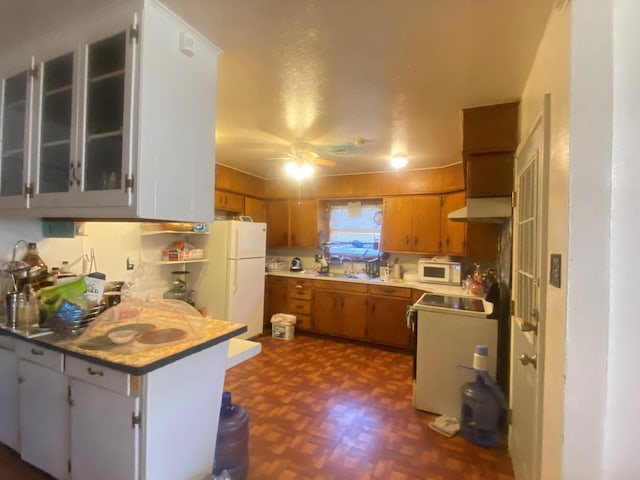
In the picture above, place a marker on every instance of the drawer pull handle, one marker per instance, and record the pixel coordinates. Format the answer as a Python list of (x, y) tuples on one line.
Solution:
[(298, 286), (93, 372), (36, 352)]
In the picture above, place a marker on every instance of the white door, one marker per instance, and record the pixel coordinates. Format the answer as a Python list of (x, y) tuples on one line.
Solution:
[(248, 240), (44, 418), (527, 320), (104, 443), (246, 294)]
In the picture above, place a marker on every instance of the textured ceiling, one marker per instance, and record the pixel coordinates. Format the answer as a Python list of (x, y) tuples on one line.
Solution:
[(376, 76)]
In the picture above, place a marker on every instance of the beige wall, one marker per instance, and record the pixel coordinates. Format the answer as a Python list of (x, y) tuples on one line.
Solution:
[(550, 74)]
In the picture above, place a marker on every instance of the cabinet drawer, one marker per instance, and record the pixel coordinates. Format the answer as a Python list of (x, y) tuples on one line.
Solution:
[(299, 292), (40, 355), (275, 280), (300, 282), (104, 377), (341, 287), (303, 322), (7, 342), (299, 307), (401, 292)]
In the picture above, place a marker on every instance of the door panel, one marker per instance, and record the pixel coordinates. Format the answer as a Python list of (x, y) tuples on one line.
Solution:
[(527, 354)]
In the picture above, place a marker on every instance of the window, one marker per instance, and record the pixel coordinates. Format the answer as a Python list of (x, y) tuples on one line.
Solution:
[(355, 229)]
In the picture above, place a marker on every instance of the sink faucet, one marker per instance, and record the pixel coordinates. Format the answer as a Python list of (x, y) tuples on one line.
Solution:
[(346, 271)]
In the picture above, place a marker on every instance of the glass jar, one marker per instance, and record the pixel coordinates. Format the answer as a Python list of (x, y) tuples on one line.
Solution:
[(178, 290)]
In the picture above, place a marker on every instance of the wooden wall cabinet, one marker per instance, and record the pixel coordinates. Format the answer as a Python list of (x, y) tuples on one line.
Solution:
[(229, 201), (411, 224), (419, 224), (452, 234), (490, 138), (292, 223), (255, 208)]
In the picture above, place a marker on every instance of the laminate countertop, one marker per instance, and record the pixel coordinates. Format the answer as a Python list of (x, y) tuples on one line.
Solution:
[(134, 358), (339, 277)]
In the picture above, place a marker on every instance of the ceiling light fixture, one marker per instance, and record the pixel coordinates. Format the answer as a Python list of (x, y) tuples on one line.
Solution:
[(298, 170), (399, 160)]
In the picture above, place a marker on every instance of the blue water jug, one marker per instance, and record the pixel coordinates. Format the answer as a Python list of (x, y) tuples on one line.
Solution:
[(232, 444), (482, 404)]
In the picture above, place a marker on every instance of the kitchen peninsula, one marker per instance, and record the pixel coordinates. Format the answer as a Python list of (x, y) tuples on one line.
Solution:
[(102, 413)]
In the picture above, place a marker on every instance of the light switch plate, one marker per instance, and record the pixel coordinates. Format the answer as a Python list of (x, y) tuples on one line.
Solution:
[(555, 267)]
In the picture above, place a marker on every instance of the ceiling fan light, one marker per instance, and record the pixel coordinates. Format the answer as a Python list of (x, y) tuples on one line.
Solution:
[(399, 160), (298, 170)]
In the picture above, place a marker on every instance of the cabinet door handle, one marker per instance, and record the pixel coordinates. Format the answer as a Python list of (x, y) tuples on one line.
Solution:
[(36, 352), (93, 372)]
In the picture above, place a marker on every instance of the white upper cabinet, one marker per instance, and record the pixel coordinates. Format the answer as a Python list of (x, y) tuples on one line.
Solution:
[(122, 121)]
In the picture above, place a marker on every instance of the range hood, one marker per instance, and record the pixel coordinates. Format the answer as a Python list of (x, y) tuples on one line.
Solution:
[(483, 210)]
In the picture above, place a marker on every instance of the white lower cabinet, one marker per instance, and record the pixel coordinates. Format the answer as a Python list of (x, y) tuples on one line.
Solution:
[(81, 421), (44, 418), (9, 427), (104, 434)]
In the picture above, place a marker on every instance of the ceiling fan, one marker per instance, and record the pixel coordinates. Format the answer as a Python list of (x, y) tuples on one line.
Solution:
[(302, 152)]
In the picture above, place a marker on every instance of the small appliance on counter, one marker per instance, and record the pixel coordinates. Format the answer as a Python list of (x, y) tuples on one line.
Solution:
[(296, 264), (322, 267), (448, 273)]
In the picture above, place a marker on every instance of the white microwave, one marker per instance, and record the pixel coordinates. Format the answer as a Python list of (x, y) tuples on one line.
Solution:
[(448, 273)]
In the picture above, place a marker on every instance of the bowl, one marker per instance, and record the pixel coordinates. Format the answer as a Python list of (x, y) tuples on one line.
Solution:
[(122, 336)]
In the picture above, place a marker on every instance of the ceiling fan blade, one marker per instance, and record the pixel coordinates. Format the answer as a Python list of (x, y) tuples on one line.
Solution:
[(324, 162)]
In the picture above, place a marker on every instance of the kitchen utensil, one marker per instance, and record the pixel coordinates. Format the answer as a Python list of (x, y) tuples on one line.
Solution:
[(12, 304), (164, 335), (296, 264), (122, 336)]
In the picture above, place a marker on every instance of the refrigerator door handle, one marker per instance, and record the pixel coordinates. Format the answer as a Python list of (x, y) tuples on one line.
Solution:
[(235, 277)]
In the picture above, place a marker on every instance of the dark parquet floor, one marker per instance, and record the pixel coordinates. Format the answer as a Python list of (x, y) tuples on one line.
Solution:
[(331, 410)]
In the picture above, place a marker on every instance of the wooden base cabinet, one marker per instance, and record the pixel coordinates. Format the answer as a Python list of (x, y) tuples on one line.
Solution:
[(300, 295), (386, 323), (276, 297), (340, 310)]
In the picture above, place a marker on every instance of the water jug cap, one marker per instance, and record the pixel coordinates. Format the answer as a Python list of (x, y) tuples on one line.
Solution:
[(482, 350)]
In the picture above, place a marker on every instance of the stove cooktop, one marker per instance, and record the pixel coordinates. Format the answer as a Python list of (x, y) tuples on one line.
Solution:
[(467, 304)]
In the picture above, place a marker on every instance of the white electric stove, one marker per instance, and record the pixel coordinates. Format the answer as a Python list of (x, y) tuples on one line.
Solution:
[(448, 329)]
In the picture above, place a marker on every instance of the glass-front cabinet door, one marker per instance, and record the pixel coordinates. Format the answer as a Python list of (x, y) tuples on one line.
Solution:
[(105, 113), (15, 108), (55, 146), (83, 134)]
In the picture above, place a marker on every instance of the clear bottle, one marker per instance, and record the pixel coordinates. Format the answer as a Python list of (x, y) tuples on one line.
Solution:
[(32, 257)]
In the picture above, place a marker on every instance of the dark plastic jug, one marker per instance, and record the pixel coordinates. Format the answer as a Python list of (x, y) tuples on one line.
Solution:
[(482, 404), (232, 444)]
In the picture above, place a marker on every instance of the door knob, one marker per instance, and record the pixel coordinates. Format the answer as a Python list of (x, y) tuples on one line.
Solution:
[(529, 360)]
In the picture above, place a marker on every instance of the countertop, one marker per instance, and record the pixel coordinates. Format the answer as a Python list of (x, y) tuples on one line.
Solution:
[(453, 290), (338, 277), (211, 333)]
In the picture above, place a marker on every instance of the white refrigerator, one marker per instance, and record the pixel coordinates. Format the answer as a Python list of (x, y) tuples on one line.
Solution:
[(233, 287)]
